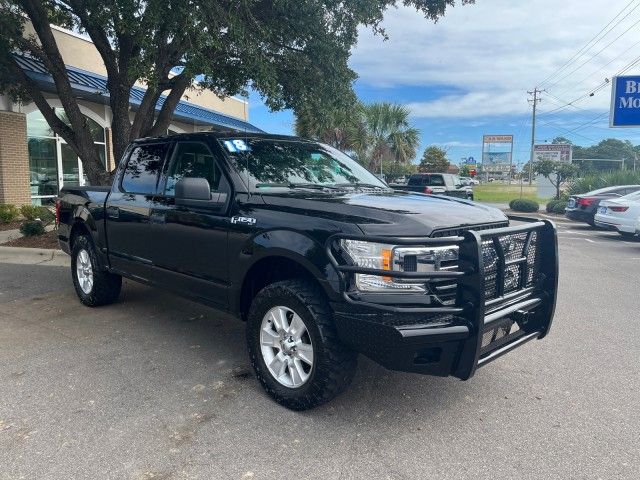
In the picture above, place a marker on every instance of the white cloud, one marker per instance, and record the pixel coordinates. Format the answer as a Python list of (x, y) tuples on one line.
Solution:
[(485, 57)]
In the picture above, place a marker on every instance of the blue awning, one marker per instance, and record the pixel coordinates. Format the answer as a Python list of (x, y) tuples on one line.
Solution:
[(93, 86)]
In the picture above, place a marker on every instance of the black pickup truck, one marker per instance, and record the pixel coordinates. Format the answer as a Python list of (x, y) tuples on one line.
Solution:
[(320, 259)]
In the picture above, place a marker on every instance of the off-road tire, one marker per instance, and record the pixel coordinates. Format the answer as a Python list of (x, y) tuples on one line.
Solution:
[(334, 364), (106, 286)]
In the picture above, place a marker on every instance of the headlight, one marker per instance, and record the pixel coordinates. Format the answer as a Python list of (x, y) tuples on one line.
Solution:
[(397, 258)]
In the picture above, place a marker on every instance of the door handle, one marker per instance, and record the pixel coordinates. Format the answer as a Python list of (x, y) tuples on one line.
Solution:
[(113, 212)]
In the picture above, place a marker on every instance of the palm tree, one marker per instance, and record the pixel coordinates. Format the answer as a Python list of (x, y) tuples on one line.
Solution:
[(391, 136), (375, 133)]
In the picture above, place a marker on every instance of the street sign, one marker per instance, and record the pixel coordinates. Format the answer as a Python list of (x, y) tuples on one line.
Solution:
[(625, 102), (471, 161)]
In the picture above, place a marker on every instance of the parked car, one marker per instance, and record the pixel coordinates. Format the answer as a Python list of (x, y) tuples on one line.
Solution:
[(437, 184), (620, 214), (584, 207), (318, 257)]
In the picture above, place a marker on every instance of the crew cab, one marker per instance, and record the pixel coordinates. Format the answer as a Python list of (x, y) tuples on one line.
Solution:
[(320, 258), (438, 184)]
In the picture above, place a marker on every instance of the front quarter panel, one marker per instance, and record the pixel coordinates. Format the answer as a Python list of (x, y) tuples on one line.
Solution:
[(276, 233)]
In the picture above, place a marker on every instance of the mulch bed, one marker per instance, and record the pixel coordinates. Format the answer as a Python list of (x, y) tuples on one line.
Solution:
[(46, 240), (9, 226)]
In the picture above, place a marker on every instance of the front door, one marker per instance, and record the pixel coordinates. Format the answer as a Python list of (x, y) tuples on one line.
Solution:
[(190, 243), (129, 236)]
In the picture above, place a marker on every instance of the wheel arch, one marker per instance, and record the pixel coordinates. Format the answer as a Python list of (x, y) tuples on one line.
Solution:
[(283, 255)]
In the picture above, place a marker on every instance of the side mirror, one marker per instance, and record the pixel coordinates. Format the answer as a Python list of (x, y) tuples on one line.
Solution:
[(196, 192)]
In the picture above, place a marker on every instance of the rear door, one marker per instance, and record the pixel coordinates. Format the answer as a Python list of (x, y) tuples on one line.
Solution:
[(190, 242), (128, 208)]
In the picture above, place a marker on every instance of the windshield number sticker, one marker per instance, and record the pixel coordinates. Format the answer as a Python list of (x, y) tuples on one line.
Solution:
[(237, 145), (243, 220)]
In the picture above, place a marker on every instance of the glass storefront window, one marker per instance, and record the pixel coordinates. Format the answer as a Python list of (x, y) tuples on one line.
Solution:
[(43, 166), (52, 161)]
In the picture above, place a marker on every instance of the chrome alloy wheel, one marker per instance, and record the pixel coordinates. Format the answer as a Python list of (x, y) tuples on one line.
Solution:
[(84, 271), (286, 347)]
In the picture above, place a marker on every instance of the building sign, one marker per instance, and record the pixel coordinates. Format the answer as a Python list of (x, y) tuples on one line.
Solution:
[(560, 152), (625, 102), (497, 152), (497, 139)]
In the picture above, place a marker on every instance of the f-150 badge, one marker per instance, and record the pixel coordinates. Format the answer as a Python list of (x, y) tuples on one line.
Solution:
[(243, 220)]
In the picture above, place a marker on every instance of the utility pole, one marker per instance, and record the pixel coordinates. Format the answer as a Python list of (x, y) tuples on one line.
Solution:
[(534, 103)]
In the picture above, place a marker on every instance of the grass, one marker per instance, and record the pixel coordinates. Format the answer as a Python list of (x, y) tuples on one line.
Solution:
[(501, 193)]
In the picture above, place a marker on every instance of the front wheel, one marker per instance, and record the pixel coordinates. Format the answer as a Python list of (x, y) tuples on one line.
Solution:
[(627, 234), (93, 285), (294, 347)]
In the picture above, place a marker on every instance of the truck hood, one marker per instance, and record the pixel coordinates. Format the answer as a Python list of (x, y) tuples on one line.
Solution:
[(389, 213)]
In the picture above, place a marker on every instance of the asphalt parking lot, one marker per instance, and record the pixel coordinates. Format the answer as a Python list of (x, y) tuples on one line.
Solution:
[(159, 387)]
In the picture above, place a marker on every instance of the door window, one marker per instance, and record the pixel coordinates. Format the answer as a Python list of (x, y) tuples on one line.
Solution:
[(194, 160), (143, 168)]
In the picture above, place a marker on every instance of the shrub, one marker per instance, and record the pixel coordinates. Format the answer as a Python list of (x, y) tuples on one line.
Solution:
[(524, 205), (610, 179), (556, 206), (30, 228), (8, 212), (36, 212)]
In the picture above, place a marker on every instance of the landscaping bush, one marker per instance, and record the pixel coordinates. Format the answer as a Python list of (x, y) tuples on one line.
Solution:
[(37, 212), (30, 228), (556, 206), (8, 212), (610, 179), (524, 205)]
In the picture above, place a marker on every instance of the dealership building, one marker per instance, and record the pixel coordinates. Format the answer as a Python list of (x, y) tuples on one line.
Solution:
[(35, 163)]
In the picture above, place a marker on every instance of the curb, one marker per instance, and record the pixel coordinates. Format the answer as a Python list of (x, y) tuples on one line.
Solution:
[(33, 256)]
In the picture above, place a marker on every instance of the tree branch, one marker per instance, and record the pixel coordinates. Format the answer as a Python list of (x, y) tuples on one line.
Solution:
[(169, 105), (47, 111)]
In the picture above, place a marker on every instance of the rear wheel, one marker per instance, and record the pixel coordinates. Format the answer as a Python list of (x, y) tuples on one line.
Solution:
[(94, 286), (294, 347)]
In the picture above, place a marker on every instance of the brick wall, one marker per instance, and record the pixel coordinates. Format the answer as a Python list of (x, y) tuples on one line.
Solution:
[(14, 159)]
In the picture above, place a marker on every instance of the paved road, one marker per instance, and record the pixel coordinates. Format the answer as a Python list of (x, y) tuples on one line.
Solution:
[(159, 387)]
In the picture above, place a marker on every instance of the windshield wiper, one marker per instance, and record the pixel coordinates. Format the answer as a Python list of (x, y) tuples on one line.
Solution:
[(362, 185), (312, 186)]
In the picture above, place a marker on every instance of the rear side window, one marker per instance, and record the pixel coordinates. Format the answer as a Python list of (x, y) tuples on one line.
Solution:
[(437, 180), (415, 180), (143, 169)]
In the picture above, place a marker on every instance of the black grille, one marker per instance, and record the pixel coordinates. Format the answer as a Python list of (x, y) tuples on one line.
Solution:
[(498, 335), (455, 232), (514, 259)]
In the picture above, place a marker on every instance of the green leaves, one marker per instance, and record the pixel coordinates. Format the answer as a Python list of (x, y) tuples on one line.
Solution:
[(434, 160)]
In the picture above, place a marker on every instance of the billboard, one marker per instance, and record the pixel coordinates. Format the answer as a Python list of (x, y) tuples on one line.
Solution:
[(497, 139), (560, 152), (497, 151), (625, 102)]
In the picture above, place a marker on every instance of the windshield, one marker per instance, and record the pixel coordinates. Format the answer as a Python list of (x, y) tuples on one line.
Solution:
[(290, 163)]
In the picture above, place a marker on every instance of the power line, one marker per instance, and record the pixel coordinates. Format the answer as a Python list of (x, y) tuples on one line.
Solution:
[(595, 55), (591, 42)]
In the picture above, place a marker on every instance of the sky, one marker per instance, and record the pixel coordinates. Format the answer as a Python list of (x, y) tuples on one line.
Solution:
[(468, 74)]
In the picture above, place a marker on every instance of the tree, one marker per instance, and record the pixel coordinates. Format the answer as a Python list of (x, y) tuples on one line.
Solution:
[(293, 53), (556, 172), (434, 160), (564, 140), (377, 133), (465, 170)]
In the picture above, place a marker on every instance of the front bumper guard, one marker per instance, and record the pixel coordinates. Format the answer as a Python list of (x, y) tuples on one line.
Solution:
[(454, 339)]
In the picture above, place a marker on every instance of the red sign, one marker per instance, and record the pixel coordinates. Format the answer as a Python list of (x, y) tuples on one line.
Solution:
[(472, 172)]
